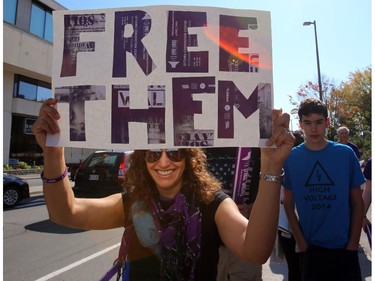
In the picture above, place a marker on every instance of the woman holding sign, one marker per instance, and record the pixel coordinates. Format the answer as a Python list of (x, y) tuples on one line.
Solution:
[(179, 212)]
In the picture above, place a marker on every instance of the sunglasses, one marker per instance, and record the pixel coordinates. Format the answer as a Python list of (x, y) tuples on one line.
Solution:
[(175, 155)]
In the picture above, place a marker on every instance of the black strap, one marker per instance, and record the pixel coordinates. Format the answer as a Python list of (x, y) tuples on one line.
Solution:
[(125, 240)]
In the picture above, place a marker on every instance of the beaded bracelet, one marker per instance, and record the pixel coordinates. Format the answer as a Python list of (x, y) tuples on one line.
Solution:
[(59, 178)]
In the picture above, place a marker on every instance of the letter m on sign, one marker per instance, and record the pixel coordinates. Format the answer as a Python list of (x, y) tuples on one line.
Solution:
[(230, 97)]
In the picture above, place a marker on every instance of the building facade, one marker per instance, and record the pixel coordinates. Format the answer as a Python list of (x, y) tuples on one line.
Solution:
[(27, 70)]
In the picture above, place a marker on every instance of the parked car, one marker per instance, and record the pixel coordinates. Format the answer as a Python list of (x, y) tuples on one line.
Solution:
[(15, 189), (101, 174)]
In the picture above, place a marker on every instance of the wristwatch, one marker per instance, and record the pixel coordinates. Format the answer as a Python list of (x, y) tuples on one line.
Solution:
[(272, 178)]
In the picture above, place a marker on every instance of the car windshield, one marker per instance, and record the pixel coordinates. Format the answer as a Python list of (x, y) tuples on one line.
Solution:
[(102, 160)]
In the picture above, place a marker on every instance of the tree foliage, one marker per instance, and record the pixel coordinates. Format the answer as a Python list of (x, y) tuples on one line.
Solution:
[(349, 104)]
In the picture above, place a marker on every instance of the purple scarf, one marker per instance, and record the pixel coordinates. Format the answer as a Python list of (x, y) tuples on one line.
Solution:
[(180, 237)]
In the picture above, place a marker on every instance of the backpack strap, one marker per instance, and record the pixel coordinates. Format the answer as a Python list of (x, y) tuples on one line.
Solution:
[(127, 235), (125, 240), (119, 264)]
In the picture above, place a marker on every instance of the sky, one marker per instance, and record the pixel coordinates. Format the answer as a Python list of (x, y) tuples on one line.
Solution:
[(343, 31)]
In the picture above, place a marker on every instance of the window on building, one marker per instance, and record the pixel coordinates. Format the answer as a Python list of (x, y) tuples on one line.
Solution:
[(10, 11), (31, 89), (48, 31), (41, 21)]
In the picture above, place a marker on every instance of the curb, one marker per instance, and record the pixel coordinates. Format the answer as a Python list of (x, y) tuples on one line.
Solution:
[(36, 193), (30, 177), (23, 172)]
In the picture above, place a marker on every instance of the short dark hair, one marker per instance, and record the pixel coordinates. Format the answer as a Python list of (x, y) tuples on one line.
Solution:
[(312, 105)]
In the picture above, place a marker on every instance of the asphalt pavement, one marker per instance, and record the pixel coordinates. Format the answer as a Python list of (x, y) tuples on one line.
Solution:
[(272, 270)]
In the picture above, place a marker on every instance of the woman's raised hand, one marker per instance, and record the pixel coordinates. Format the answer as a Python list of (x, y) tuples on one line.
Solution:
[(46, 123), (281, 138)]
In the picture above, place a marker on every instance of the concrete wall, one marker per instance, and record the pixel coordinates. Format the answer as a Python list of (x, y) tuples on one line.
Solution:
[(28, 55), (24, 53)]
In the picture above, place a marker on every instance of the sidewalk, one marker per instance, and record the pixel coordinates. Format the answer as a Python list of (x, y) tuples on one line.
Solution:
[(29, 176), (35, 190)]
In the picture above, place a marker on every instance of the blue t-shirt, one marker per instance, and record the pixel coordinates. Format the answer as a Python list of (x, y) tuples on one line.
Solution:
[(321, 182)]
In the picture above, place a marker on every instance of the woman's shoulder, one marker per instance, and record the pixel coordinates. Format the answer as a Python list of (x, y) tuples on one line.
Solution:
[(218, 197), (127, 201)]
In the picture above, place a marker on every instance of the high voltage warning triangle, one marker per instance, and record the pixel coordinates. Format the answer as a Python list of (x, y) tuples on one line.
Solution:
[(318, 176)]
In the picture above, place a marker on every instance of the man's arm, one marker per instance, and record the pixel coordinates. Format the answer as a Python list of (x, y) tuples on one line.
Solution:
[(293, 220), (366, 196), (357, 208)]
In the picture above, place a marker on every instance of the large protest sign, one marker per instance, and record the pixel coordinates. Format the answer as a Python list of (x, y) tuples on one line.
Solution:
[(162, 76)]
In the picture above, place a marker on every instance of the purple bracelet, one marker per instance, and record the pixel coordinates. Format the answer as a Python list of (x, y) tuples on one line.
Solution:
[(59, 178)]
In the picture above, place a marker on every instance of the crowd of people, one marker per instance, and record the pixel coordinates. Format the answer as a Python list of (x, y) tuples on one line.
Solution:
[(193, 230)]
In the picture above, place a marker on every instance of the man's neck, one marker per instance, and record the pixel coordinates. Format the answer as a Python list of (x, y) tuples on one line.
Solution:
[(316, 145)]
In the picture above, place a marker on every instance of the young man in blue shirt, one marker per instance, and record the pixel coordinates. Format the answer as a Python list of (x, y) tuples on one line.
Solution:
[(322, 180)]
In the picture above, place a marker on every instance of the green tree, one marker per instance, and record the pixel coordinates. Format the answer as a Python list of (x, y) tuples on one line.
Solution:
[(349, 105), (355, 109)]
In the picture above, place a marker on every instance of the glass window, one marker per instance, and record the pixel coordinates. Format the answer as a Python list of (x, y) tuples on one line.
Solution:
[(26, 91), (10, 11), (43, 93), (48, 33), (31, 89), (41, 22), (37, 20)]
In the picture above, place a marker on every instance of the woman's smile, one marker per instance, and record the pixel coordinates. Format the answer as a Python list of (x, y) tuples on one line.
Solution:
[(167, 174)]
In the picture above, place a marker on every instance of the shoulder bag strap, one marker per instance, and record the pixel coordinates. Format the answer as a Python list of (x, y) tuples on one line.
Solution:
[(119, 262)]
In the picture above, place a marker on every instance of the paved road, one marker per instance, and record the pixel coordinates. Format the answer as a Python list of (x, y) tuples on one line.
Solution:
[(272, 271), (37, 249)]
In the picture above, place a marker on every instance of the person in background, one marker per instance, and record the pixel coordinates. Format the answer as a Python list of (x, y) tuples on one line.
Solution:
[(322, 184), (366, 195), (343, 134), (221, 162), (179, 212), (285, 235)]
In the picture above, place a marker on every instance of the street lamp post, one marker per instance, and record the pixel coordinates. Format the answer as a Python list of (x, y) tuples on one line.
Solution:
[(317, 58)]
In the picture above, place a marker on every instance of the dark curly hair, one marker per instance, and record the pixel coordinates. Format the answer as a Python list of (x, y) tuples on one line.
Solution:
[(197, 180)]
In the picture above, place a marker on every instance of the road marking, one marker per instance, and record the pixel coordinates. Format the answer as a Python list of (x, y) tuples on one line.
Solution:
[(73, 265)]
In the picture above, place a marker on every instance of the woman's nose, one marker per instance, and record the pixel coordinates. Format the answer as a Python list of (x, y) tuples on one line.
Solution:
[(164, 160)]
